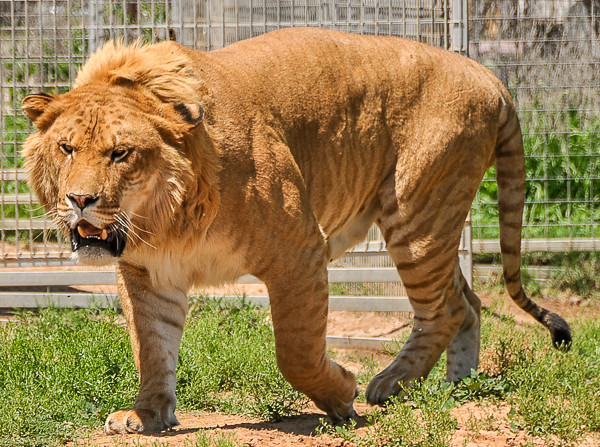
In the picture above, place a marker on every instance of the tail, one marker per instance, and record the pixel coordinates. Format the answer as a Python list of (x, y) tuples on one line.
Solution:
[(510, 168)]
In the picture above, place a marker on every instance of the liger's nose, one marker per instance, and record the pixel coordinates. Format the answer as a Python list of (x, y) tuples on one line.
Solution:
[(81, 200)]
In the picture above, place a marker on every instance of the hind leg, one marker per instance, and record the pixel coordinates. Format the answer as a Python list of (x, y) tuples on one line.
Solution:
[(462, 354), (439, 315), (423, 241)]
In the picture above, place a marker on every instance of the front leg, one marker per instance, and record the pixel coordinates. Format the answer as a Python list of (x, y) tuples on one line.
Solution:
[(155, 320), (299, 304)]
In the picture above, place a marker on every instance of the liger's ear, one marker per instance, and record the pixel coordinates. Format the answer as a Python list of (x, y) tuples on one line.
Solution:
[(191, 113), (34, 105)]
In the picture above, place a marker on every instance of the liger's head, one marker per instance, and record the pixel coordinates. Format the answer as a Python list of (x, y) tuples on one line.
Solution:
[(109, 161)]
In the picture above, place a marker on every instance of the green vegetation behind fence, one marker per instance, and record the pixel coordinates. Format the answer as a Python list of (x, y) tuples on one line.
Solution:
[(562, 197)]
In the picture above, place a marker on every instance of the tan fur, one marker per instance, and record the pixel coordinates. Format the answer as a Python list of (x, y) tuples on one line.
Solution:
[(308, 137)]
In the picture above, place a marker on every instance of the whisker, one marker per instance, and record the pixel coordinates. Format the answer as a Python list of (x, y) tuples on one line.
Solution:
[(133, 233), (123, 219), (137, 215), (137, 227), (124, 229), (37, 208), (37, 237), (134, 226)]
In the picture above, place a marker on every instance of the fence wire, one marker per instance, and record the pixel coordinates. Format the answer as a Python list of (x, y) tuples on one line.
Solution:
[(43, 43), (547, 52)]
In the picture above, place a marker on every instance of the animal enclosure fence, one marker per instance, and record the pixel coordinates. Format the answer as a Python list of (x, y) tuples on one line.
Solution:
[(546, 52), (42, 44)]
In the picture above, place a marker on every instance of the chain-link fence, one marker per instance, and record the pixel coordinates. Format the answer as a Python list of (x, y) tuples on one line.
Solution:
[(547, 52), (42, 44)]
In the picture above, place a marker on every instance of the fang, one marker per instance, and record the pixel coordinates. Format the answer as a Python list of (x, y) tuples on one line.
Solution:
[(104, 235)]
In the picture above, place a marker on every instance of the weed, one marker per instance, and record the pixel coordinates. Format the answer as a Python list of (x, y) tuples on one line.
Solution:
[(404, 423), (530, 282), (551, 390), (369, 367), (478, 386), (393, 347), (575, 272), (355, 289), (407, 424), (498, 358), (346, 432), (475, 425), (202, 439)]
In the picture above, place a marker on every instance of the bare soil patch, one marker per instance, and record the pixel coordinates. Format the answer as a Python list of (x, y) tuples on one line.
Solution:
[(479, 426), (291, 431)]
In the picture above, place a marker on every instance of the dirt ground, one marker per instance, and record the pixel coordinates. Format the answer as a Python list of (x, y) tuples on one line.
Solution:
[(480, 425), (492, 422)]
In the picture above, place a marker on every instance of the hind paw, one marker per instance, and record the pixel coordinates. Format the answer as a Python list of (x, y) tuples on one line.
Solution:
[(383, 386)]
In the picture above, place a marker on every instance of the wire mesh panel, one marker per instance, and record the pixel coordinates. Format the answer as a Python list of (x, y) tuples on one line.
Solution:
[(548, 54), (231, 20), (43, 43)]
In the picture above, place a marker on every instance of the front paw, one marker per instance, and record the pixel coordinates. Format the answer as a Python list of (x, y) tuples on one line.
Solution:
[(339, 412), (341, 416), (137, 421)]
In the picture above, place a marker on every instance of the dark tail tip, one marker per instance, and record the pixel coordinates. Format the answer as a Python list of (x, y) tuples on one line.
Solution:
[(560, 331)]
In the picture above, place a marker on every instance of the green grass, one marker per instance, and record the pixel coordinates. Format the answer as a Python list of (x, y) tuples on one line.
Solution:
[(64, 371), (573, 272), (555, 396), (61, 371), (578, 273), (227, 363)]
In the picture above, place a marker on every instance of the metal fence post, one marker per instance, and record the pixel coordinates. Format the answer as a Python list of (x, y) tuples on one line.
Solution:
[(460, 28)]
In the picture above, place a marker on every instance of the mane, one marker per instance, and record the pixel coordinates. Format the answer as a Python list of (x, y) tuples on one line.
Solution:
[(163, 68), (166, 71)]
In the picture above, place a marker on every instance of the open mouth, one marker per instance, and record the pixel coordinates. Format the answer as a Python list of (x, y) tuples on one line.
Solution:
[(87, 235)]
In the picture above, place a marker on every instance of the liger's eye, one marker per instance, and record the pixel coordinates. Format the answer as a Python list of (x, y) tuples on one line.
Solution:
[(66, 149), (118, 155)]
